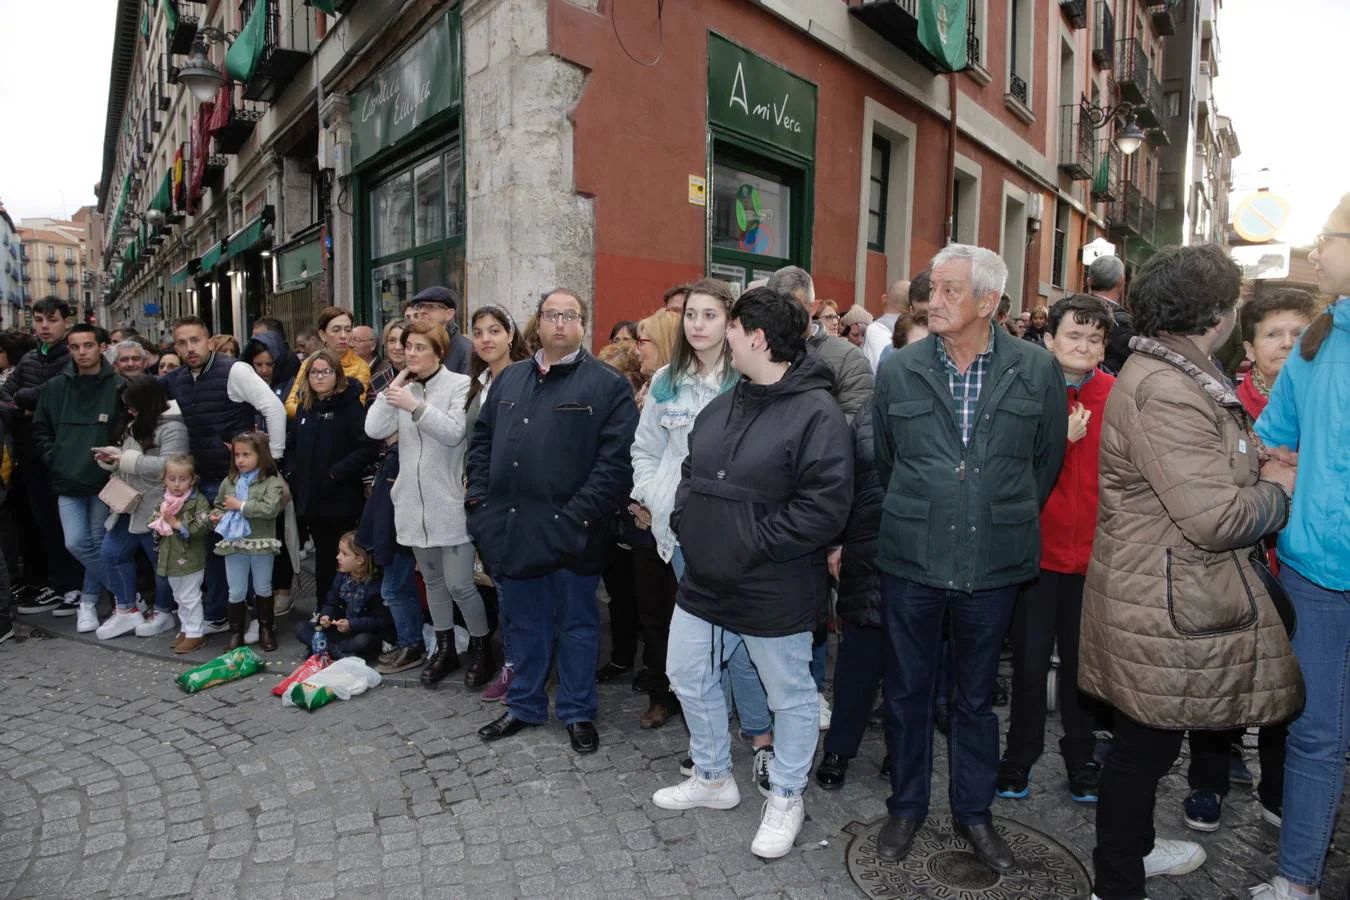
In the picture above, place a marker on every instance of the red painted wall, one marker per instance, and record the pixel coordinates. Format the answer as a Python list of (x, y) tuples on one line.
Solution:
[(641, 131)]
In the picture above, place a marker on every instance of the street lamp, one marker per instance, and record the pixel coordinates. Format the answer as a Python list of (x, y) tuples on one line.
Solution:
[(1129, 136), (203, 77)]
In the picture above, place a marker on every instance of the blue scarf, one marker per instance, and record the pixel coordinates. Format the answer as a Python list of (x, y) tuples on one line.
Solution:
[(233, 526)]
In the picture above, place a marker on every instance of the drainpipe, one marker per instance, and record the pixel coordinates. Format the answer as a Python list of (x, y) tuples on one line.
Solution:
[(951, 164)]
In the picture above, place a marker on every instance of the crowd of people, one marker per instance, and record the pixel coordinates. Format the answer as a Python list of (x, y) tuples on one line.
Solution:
[(748, 475)]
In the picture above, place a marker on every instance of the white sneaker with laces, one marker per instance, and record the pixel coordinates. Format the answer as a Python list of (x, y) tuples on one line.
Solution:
[(694, 792), (156, 622), (1279, 888), (86, 618), (824, 713), (763, 756), (779, 827), (1173, 858), (118, 624)]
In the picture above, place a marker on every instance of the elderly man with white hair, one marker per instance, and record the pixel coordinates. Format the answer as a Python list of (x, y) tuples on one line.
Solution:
[(129, 358), (970, 428)]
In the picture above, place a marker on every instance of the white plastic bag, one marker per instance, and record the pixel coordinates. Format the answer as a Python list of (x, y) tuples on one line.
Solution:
[(346, 678), (461, 639)]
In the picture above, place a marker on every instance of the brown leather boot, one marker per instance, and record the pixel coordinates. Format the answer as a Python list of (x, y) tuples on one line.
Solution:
[(267, 632), (482, 663), (444, 661), (238, 625)]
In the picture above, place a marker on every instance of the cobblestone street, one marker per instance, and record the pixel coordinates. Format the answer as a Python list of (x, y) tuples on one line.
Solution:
[(113, 783)]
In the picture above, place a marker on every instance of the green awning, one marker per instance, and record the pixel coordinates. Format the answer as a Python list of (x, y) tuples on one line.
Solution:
[(211, 258), (942, 31), (163, 196), (179, 275), (245, 238), (299, 264), (241, 60), (121, 207), (327, 6)]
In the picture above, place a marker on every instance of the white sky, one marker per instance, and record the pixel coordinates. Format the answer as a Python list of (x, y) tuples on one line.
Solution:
[(1280, 79)]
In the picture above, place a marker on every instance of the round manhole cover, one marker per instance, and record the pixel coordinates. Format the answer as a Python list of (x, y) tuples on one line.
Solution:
[(942, 865)]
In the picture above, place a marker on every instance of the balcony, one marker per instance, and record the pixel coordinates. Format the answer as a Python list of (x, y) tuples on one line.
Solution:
[(1164, 16), (1207, 17), (170, 70), (214, 175), (184, 31), (1126, 214), (1148, 220), (1132, 71), (1104, 37), (1077, 158), (52, 278), (288, 41), (898, 22), (51, 256), (1017, 88), (70, 279), (239, 123), (1075, 11), (26, 277)]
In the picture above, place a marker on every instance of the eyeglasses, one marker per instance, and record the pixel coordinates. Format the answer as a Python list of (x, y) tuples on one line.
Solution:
[(322, 373), (1324, 236), (828, 317), (552, 316)]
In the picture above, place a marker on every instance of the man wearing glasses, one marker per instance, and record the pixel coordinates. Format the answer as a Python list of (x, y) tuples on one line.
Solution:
[(548, 463), (363, 345), (438, 305)]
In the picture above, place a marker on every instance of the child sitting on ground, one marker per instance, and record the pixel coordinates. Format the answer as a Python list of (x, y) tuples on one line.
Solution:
[(182, 521), (353, 620)]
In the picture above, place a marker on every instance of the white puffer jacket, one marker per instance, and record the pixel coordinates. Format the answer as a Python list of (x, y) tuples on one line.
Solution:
[(660, 446), (428, 495)]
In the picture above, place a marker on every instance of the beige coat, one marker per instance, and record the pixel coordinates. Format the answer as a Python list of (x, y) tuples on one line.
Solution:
[(1178, 631)]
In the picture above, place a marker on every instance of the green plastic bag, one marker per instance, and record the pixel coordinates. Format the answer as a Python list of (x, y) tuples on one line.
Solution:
[(230, 666), (310, 697)]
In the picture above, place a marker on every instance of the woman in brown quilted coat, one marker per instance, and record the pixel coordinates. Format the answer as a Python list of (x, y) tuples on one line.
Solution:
[(1178, 632)]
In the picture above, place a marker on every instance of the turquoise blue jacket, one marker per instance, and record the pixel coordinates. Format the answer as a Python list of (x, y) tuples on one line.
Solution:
[(1309, 410)]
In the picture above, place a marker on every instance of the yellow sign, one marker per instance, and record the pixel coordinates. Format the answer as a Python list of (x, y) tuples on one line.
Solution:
[(698, 190)]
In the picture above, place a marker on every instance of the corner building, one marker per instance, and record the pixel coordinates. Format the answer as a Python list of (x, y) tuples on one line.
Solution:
[(506, 146)]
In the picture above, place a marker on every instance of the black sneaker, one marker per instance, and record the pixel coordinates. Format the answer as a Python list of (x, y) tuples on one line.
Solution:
[(69, 605), (41, 601), (1084, 783), (217, 626), (1238, 773), (1013, 781), (763, 755), (6, 628), (1202, 810)]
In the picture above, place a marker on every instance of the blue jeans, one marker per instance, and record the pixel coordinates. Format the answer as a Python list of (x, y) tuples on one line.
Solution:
[(693, 660), (912, 616), (1314, 768), (741, 686), (82, 521), (239, 567), (215, 593), (399, 592), (119, 565), (564, 602)]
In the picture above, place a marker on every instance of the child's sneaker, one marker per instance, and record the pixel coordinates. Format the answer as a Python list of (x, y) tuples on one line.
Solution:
[(156, 622), (119, 623)]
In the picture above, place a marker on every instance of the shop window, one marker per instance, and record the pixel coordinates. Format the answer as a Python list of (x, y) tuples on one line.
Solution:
[(391, 216), (429, 189), (877, 191), (1059, 264), (752, 213)]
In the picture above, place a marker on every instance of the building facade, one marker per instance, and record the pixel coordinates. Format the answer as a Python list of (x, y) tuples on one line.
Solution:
[(12, 282), (356, 155), (56, 258)]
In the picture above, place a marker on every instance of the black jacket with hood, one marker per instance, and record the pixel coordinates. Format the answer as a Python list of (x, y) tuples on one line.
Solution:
[(285, 364), (20, 392), (327, 451), (859, 599), (766, 487)]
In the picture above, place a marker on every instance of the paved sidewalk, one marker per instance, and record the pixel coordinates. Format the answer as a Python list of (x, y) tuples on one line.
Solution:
[(113, 783)]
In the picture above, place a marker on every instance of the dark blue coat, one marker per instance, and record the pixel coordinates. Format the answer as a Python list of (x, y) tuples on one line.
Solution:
[(376, 531), (326, 453), (549, 462), (859, 599), (212, 418), (360, 604)]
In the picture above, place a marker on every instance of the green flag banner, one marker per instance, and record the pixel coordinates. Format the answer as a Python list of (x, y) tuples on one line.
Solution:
[(242, 58), (327, 6), (163, 196), (145, 24), (170, 16), (942, 31)]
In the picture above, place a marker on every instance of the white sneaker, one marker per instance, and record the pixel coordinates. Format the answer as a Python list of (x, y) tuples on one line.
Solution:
[(824, 713), (694, 792), (779, 827), (1278, 888), (118, 624), (220, 627), (251, 633), (156, 622), (1173, 858), (86, 618)]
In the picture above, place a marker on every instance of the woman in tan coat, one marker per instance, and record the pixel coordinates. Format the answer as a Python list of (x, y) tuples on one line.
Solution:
[(1178, 631)]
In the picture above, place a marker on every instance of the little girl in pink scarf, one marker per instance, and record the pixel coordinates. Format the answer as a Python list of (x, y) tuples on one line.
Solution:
[(182, 521)]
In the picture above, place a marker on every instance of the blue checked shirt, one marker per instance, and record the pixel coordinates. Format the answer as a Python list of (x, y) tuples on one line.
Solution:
[(966, 388)]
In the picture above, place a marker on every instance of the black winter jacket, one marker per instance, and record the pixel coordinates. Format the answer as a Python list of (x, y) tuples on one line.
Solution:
[(20, 393), (376, 530), (549, 463), (766, 487), (326, 452), (859, 599)]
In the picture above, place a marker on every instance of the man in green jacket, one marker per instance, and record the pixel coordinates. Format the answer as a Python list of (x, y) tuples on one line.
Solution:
[(77, 411), (970, 430)]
